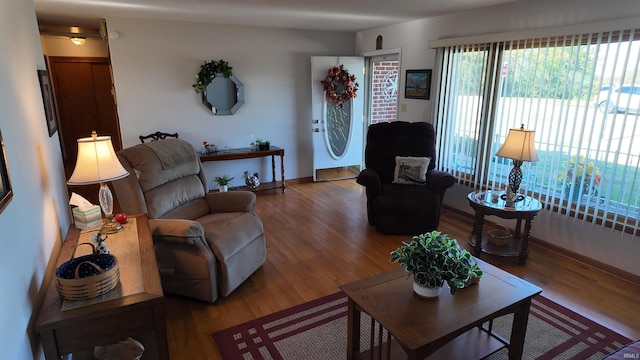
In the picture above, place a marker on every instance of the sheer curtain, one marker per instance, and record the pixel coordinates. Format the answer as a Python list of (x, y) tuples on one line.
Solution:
[(581, 95)]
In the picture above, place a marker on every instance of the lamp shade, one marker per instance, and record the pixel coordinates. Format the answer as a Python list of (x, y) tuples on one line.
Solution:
[(520, 145), (97, 162)]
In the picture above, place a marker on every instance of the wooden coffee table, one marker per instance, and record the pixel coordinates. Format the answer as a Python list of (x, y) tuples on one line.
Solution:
[(448, 327)]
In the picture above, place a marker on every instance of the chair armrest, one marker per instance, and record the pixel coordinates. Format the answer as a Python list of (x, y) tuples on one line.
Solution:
[(231, 201), (370, 179), (440, 179), (176, 231)]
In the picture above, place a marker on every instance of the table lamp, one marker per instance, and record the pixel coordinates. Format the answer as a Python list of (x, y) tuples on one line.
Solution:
[(519, 147), (97, 163)]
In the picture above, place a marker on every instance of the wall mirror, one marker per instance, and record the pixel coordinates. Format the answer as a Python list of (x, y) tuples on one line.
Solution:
[(6, 194), (224, 96)]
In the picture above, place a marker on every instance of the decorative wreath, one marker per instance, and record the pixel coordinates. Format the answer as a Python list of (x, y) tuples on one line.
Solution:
[(208, 71), (339, 85)]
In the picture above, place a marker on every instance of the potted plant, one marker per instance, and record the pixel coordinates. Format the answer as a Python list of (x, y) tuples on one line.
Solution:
[(433, 259), (262, 145), (223, 182)]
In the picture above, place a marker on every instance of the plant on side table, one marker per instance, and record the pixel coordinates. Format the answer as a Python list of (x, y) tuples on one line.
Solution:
[(433, 259), (223, 182)]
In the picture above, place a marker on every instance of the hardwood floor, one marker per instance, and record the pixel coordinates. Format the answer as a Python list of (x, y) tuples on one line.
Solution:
[(318, 238)]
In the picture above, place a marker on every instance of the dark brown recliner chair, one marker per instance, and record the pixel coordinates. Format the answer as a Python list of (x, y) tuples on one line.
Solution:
[(207, 243), (395, 206)]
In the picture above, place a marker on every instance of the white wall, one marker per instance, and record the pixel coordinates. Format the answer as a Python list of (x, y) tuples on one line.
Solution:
[(156, 62), (33, 225), (601, 244)]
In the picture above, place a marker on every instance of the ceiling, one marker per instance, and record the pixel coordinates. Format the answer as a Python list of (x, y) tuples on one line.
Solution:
[(333, 15)]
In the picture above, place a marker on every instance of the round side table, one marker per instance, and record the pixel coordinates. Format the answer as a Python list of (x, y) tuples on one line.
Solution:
[(490, 203)]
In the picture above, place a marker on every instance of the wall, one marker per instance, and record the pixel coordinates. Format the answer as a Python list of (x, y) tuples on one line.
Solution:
[(35, 222), (601, 244), (153, 85)]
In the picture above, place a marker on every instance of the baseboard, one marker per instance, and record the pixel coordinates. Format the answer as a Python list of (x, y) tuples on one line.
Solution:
[(598, 265)]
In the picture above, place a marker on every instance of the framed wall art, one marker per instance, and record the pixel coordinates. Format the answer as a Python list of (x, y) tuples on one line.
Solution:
[(417, 84), (5, 184), (47, 99)]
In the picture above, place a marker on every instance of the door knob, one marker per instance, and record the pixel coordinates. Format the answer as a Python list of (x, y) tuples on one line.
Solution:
[(315, 121), (316, 130)]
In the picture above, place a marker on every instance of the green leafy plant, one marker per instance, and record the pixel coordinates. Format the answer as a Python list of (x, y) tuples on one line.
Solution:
[(434, 258), (208, 71), (223, 180)]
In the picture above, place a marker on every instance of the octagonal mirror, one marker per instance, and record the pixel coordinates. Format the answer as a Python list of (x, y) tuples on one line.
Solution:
[(224, 96)]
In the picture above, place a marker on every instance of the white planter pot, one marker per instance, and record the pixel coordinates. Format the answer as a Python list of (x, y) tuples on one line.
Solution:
[(426, 292), (223, 188)]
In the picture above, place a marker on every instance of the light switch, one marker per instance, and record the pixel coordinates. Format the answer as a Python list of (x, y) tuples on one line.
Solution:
[(403, 107)]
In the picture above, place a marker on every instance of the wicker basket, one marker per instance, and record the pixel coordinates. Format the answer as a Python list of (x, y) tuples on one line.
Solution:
[(499, 237), (87, 276)]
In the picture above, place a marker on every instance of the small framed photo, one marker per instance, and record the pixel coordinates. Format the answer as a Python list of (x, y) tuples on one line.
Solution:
[(47, 99), (5, 184), (417, 84)]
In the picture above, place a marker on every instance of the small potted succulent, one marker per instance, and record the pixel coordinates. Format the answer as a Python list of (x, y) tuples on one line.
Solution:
[(262, 144), (433, 259), (223, 182)]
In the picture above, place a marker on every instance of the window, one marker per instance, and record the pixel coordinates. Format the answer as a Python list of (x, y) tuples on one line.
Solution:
[(581, 95)]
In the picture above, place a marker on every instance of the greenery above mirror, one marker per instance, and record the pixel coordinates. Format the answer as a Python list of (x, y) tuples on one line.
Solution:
[(208, 71)]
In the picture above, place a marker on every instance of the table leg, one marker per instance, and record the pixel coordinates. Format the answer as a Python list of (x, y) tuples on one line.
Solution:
[(519, 330), (273, 168), (161, 332), (353, 331), (518, 229), (524, 248), (478, 224), (282, 169)]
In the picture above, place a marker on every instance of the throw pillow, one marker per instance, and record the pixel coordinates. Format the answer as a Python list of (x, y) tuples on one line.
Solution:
[(411, 170)]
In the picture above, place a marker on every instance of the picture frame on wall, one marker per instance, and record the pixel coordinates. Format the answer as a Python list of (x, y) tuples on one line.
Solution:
[(6, 193), (417, 84), (47, 99)]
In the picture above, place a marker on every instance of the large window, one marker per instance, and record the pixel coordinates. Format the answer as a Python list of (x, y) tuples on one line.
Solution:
[(581, 95)]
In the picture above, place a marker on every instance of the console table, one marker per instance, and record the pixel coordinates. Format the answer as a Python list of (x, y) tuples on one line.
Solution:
[(133, 308), (247, 153)]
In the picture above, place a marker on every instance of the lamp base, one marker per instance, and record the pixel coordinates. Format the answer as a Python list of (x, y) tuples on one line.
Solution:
[(111, 226)]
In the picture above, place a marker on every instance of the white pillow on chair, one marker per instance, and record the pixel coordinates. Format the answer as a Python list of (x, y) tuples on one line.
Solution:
[(411, 170)]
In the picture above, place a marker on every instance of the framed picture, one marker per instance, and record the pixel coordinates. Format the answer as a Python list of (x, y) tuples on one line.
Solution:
[(47, 99), (5, 184), (417, 84)]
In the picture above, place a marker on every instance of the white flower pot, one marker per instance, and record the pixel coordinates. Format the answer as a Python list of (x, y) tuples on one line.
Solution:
[(426, 292), (223, 188)]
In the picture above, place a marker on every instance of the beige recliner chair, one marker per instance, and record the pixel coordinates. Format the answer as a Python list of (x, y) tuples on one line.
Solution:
[(206, 243)]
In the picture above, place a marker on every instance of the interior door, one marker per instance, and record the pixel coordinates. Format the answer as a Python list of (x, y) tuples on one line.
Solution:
[(337, 132)]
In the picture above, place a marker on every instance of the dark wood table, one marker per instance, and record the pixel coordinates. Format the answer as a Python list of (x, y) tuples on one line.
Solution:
[(447, 327), (133, 308), (490, 203), (247, 153)]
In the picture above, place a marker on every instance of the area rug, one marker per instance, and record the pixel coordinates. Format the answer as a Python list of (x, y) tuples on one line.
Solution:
[(318, 330)]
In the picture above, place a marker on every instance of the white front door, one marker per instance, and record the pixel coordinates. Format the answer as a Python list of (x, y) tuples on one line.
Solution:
[(337, 132)]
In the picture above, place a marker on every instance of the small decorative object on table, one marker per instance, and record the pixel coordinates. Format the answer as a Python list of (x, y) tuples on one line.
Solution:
[(433, 259), (223, 182), (101, 247), (252, 181)]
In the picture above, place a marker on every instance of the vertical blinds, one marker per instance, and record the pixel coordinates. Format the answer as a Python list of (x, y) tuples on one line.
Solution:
[(581, 95)]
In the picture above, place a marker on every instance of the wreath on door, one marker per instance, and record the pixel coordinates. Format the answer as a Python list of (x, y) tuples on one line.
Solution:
[(340, 86)]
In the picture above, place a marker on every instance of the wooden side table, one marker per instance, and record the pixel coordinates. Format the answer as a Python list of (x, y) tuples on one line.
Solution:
[(247, 153), (133, 308), (485, 203)]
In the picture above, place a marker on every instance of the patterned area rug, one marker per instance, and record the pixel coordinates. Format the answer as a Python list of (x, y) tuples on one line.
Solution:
[(317, 330)]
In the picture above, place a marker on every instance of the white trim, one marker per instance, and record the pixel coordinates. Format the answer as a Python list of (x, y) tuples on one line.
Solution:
[(381, 52), (620, 24)]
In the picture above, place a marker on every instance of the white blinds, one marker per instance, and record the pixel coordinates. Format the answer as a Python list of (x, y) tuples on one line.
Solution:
[(581, 95)]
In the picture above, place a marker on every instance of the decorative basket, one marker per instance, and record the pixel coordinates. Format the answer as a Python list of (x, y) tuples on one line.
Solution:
[(87, 276), (499, 237)]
